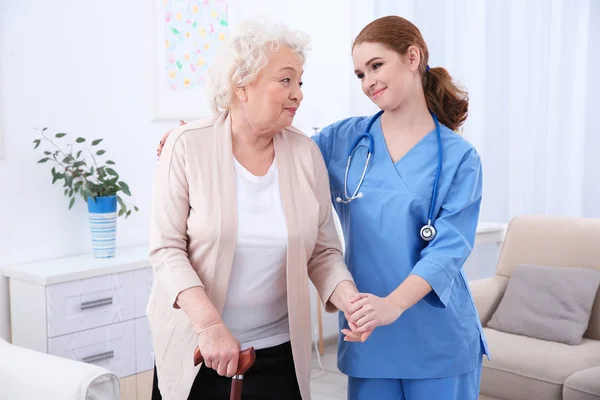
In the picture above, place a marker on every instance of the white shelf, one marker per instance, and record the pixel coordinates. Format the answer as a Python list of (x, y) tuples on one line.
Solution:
[(48, 272)]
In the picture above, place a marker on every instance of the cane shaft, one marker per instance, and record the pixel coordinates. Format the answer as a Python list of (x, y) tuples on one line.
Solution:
[(236, 389)]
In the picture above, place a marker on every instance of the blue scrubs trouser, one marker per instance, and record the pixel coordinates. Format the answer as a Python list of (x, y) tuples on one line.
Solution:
[(461, 387)]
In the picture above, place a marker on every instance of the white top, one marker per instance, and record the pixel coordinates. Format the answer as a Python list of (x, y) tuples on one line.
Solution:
[(256, 304), (82, 266)]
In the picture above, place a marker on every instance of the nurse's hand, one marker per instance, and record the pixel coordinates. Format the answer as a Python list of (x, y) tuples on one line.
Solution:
[(368, 311), (164, 138)]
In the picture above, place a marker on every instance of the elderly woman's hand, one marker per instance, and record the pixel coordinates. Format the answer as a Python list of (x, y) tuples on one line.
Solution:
[(219, 348), (352, 334), (161, 144)]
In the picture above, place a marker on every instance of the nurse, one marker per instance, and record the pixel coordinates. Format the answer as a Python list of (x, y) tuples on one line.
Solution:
[(409, 221)]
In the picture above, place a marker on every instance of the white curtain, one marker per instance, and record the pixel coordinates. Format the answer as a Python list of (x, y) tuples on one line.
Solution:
[(530, 69)]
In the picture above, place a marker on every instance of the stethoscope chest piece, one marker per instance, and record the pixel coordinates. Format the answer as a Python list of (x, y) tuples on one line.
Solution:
[(427, 232)]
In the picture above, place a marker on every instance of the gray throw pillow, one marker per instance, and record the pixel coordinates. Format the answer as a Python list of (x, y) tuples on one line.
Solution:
[(548, 303)]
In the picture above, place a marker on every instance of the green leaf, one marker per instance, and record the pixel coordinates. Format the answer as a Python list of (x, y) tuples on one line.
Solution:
[(67, 159), (59, 135), (78, 164), (70, 192), (100, 152), (66, 191), (96, 142), (109, 162), (135, 208), (43, 160), (175, 31), (92, 171), (128, 214), (37, 143), (78, 153), (71, 202), (79, 140), (124, 188), (121, 212), (111, 171), (47, 153)]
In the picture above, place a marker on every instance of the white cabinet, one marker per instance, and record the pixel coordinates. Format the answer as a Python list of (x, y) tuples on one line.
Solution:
[(90, 310), (88, 303), (143, 346), (112, 347)]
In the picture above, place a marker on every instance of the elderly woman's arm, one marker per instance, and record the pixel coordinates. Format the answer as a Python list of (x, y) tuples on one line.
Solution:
[(174, 275), (326, 267)]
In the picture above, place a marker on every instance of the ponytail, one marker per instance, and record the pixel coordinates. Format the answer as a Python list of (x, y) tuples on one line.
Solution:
[(444, 98)]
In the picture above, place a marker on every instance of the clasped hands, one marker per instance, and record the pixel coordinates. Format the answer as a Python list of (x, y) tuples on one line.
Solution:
[(365, 312)]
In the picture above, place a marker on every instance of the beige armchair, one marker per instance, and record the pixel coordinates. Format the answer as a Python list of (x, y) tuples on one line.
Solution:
[(525, 368)]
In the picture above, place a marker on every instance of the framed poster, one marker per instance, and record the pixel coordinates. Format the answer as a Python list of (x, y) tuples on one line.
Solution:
[(187, 34)]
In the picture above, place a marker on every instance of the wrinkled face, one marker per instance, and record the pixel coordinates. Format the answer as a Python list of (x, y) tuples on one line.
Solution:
[(272, 99), (387, 78)]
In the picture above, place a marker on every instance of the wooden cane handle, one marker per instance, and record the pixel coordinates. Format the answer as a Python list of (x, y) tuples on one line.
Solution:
[(245, 360)]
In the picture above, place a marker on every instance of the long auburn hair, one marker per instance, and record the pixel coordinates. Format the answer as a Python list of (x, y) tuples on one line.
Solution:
[(443, 97)]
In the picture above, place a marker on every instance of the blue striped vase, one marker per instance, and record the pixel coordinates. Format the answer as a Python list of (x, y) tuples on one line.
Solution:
[(103, 223)]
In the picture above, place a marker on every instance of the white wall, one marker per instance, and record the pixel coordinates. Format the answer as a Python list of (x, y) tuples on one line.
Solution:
[(84, 68)]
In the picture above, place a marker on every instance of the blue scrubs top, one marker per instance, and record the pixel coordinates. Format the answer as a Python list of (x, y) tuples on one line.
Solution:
[(441, 335)]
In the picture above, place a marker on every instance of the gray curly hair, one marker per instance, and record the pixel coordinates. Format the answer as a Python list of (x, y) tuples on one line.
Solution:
[(246, 54)]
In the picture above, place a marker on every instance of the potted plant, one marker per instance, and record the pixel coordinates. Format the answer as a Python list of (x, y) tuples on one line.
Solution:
[(77, 166)]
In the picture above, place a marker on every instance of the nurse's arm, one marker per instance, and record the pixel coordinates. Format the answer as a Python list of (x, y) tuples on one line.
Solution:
[(410, 291), (442, 259)]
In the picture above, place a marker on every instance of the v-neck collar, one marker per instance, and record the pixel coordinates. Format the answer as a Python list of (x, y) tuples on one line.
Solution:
[(379, 133), (380, 146)]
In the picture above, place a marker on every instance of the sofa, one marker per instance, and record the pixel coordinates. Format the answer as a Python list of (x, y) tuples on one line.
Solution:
[(522, 367), (27, 374)]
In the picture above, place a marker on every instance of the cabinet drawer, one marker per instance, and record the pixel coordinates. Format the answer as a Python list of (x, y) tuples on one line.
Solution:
[(143, 346), (142, 279), (111, 347), (89, 303)]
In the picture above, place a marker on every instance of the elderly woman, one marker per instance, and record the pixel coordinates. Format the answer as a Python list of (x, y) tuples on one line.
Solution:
[(241, 220)]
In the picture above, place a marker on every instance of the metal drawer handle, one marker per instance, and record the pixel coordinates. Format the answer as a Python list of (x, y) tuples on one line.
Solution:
[(99, 357), (96, 303)]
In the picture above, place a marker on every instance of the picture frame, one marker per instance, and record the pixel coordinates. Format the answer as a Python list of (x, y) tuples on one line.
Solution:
[(186, 35)]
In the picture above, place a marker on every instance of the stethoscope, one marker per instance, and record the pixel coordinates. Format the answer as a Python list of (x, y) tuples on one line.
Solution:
[(428, 231)]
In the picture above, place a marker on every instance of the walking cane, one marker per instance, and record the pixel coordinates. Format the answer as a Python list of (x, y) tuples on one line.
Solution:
[(245, 361)]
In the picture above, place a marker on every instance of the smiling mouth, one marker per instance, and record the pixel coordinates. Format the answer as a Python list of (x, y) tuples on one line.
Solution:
[(376, 93)]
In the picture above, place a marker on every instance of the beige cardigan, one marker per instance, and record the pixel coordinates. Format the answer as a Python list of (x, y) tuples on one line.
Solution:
[(193, 239)]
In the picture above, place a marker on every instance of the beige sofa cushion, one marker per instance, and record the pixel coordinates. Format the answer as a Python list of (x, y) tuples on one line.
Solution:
[(524, 368), (583, 385), (548, 303), (554, 240)]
